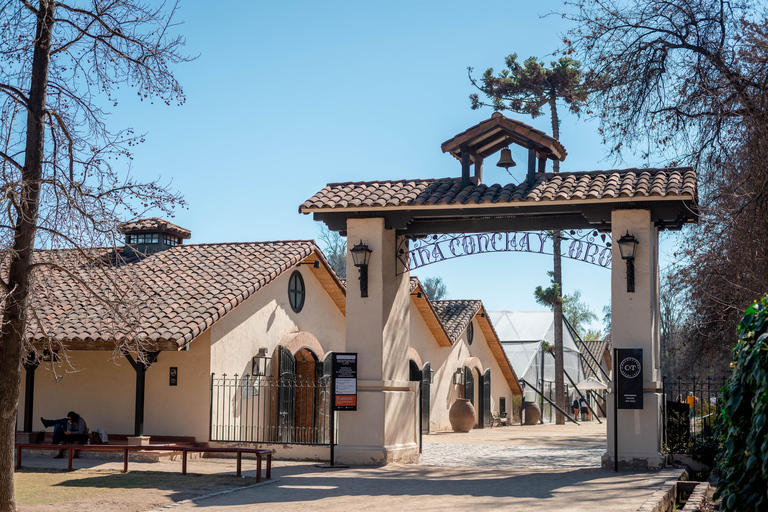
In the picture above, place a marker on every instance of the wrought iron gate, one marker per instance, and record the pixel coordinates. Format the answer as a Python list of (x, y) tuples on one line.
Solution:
[(263, 410), (286, 395)]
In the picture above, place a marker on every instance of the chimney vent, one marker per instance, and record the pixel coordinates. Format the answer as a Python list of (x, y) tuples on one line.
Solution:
[(151, 235)]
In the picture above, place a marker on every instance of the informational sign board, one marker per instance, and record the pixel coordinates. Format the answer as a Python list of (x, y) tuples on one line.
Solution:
[(174, 376), (344, 381), (629, 378)]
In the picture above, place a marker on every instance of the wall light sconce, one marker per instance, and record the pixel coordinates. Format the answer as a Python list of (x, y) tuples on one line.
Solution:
[(627, 246), (260, 362), (431, 376), (458, 377), (361, 254)]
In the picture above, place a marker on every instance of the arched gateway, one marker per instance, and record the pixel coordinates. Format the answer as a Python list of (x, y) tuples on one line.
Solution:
[(384, 215)]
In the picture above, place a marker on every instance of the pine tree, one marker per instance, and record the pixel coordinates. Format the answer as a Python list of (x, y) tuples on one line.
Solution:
[(528, 89)]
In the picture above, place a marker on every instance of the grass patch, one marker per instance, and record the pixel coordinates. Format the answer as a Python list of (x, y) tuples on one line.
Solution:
[(42, 486)]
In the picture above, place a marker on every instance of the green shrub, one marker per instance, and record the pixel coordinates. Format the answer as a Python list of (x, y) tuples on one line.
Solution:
[(743, 424)]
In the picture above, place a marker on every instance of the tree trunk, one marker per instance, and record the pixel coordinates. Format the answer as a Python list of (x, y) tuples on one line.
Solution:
[(555, 124), (558, 278), (13, 329), (559, 367)]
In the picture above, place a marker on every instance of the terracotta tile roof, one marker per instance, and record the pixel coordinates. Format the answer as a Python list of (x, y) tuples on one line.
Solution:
[(564, 186), (153, 224), (596, 348), (456, 315), (179, 292), (487, 133)]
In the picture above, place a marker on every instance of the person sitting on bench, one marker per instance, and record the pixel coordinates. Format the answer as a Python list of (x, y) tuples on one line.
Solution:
[(71, 429)]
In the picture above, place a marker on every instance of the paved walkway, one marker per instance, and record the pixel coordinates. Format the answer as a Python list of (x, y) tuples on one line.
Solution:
[(531, 469), (533, 447)]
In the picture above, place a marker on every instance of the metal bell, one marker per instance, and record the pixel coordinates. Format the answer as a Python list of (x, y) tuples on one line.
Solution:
[(505, 160)]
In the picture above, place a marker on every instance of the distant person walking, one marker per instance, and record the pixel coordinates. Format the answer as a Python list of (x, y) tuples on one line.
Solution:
[(584, 409), (691, 401), (575, 407)]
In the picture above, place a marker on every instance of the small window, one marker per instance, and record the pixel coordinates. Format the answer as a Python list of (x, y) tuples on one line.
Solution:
[(296, 291), (143, 238), (171, 241), (470, 333)]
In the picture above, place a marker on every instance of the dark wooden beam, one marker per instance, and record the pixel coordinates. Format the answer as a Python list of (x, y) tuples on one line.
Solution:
[(465, 163), (542, 164), (499, 225), (531, 177), (106, 345), (30, 365), (141, 368), (667, 214)]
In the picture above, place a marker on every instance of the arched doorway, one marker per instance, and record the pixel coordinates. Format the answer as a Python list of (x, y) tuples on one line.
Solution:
[(308, 371), (286, 395), (469, 385), (478, 397), (426, 381), (487, 403), (413, 371)]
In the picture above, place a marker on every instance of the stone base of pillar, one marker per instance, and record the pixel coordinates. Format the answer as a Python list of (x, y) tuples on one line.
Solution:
[(138, 440), (635, 462), (377, 455)]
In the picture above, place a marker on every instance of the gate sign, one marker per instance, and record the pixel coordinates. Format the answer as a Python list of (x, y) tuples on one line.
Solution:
[(344, 381), (629, 378)]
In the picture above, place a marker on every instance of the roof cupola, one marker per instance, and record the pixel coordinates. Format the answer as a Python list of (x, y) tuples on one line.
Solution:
[(151, 235)]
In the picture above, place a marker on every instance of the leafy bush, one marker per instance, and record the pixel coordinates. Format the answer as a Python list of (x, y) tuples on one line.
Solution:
[(743, 423)]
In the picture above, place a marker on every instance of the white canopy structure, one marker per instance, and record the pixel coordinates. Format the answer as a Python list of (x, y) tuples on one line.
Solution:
[(591, 383), (521, 334)]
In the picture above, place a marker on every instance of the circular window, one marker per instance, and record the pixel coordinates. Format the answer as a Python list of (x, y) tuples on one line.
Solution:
[(470, 333), (296, 291)]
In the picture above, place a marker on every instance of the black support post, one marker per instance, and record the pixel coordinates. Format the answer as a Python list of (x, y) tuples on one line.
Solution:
[(531, 166), (141, 369), (30, 365), (465, 164)]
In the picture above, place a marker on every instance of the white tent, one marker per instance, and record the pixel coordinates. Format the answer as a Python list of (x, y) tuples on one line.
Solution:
[(591, 383), (521, 334)]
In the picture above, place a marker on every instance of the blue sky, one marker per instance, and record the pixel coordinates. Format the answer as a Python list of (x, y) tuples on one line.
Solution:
[(288, 96)]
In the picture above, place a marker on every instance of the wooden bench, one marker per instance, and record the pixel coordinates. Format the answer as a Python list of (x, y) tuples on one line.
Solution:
[(177, 448)]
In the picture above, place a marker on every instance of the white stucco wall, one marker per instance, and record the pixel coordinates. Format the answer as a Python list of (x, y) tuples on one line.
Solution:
[(445, 360), (104, 392), (265, 318), (481, 350)]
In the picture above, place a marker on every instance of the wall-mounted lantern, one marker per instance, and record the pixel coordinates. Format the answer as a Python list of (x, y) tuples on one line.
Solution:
[(260, 362), (431, 376), (627, 246), (458, 377), (361, 254)]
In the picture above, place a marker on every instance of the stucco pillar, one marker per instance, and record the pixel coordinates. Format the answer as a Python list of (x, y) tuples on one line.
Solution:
[(383, 429), (635, 324)]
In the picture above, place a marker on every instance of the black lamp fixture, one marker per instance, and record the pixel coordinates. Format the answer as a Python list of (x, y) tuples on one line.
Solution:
[(458, 377), (361, 254), (259, 363), (627, 246)]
